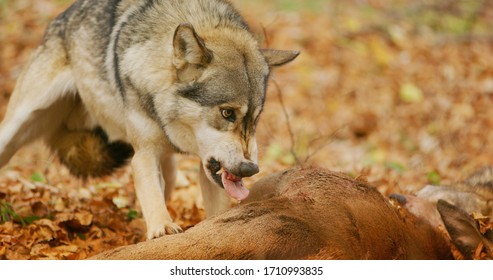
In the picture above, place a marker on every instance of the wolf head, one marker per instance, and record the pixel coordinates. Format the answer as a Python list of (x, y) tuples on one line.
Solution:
[(218, 96)]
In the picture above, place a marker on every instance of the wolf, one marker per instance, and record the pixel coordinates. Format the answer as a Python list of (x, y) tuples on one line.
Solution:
[(141, 80)]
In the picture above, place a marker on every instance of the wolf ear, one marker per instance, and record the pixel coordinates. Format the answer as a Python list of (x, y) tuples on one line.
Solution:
[(278, 57), (189, 48)]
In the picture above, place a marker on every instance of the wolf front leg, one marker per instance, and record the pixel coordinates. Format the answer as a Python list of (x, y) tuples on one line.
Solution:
[(149, 186), (168, 167), (215, 198)]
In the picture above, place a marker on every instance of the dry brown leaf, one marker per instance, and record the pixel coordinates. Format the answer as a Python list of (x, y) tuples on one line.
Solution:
[(16, 255)]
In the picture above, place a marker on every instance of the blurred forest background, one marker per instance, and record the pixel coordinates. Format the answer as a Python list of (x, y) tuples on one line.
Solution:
[(398, 91)]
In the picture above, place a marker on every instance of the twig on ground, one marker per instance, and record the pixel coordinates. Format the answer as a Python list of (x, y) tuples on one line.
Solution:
[(288, 124)]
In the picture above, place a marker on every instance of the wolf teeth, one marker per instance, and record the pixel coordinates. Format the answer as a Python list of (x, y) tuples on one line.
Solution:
[(220, 171)]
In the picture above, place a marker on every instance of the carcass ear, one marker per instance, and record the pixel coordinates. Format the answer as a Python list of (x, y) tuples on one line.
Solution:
[(189, 48), (463, 229), (278, 57)]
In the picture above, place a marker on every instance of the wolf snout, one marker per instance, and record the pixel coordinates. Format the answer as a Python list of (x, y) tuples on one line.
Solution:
[(247, 169)]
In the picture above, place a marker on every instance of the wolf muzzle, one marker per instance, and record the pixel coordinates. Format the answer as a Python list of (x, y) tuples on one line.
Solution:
[(247, 169)]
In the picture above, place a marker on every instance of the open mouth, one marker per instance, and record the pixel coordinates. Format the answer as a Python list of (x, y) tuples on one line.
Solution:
[(232, 184)]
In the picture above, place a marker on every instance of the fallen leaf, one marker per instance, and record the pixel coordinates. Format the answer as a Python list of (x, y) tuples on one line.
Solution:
[(411, 93)]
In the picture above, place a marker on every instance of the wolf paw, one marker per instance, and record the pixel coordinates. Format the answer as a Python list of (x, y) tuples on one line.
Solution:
[(172, 228), (169, 228)]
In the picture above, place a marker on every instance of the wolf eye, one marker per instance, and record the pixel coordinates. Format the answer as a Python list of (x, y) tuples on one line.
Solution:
[(228, 115)]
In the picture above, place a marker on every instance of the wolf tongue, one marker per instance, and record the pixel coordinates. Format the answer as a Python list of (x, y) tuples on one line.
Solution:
[(235, 189)]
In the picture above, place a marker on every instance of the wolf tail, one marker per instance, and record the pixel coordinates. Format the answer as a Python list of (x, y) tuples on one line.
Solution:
[(90, 154)]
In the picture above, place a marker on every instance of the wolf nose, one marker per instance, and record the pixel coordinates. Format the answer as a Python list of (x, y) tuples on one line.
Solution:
[(248, 169)]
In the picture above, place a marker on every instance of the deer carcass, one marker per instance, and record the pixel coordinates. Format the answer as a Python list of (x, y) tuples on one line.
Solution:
[(302, 213)]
